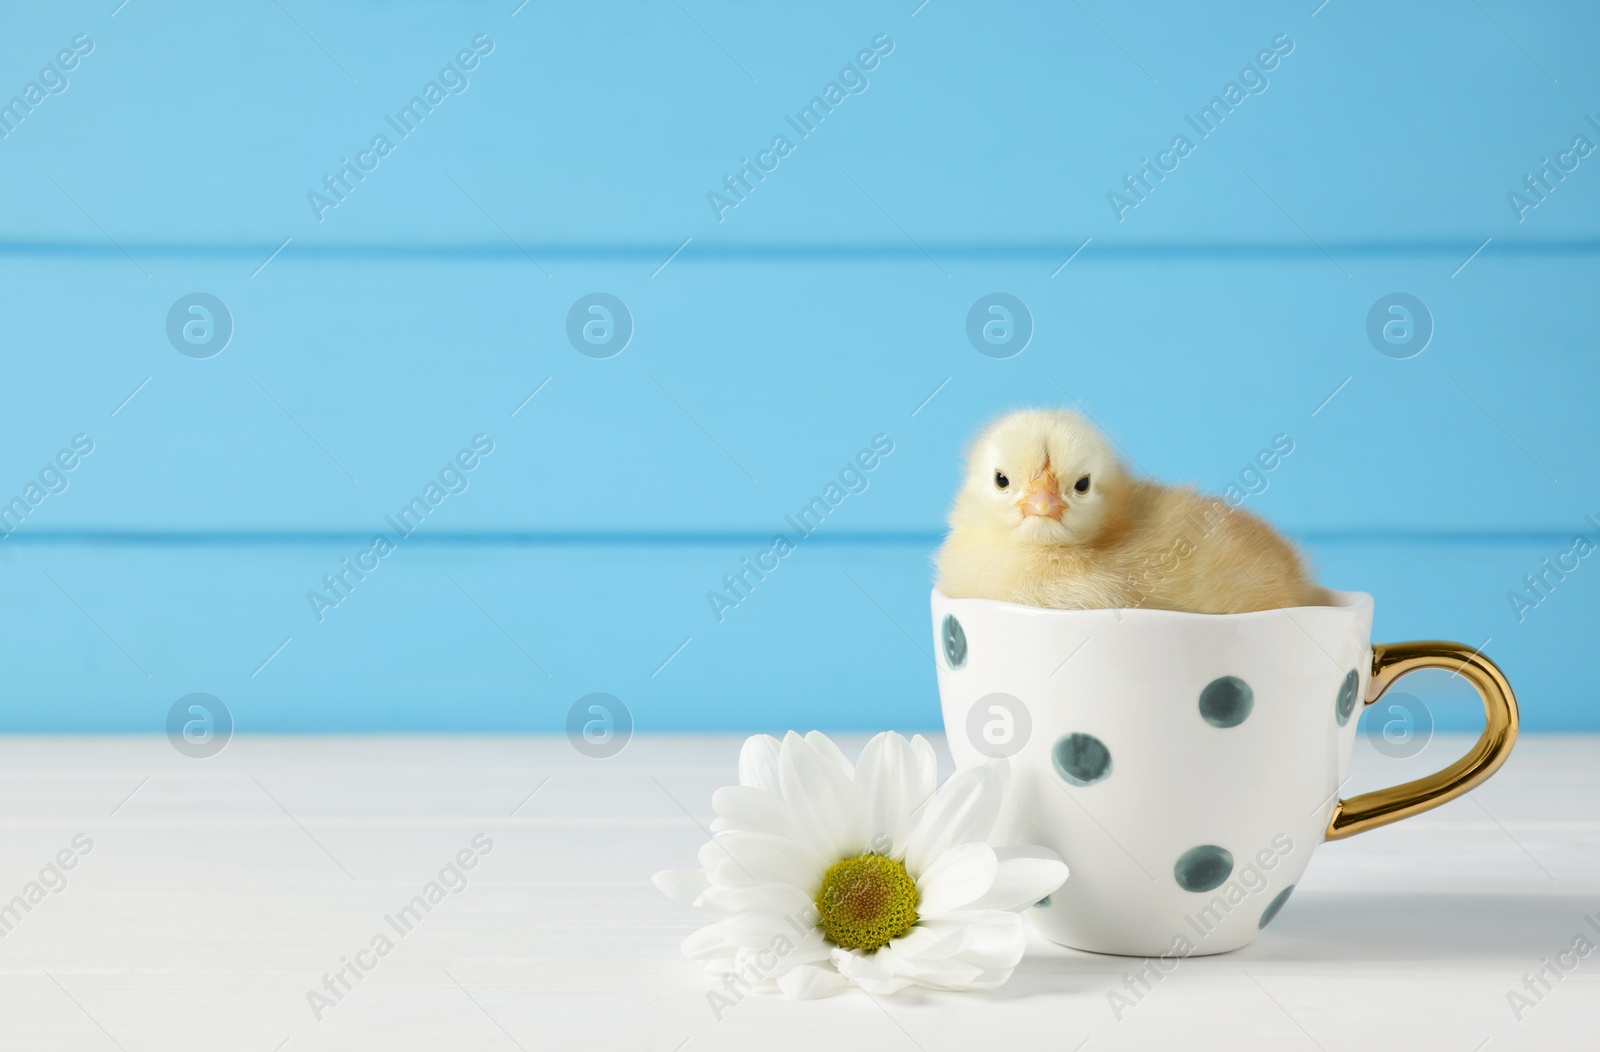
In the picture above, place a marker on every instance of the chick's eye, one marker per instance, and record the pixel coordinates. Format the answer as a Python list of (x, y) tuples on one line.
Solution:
[(1000, 480), (1082, 485)]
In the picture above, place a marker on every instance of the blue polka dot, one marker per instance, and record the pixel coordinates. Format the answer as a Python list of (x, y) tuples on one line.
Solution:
[(1347, 697), (1082, 759), (1274, 906), (955, 642), (1226, 702), (1203, 868)]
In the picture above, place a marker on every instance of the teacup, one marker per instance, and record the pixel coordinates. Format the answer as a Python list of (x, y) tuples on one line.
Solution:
[(1185, 765)]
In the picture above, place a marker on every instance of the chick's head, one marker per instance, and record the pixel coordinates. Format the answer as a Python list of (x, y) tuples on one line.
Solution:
[(1043, 476)]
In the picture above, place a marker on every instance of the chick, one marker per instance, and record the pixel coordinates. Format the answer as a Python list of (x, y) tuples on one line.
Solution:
[(1047, 516)]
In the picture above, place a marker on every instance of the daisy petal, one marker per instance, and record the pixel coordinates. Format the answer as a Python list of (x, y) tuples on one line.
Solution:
[(821, 797), (930, 942), (771, 962), (961, 875), (854, 963), (775, 899), (963, 810), (997, 938), (685, 885), (811, 980), (889, 782), (810, 948), (751, 810), (872, 972), (945, 955), (927, 769), (1026, 875), (735, 936), (758, 762), (940, 975), (737, 857), (826, 747)]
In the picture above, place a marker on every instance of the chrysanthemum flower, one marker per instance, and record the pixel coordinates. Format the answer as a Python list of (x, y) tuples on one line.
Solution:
[(823, 874)]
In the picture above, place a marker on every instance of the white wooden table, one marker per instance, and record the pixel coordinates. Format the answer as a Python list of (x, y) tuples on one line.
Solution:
[(218, 892)]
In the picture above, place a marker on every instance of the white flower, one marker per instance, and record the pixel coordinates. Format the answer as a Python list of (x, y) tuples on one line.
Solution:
[(823, 875)]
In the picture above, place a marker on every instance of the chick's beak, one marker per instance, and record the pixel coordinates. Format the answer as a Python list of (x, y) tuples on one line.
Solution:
[(1043, 498)]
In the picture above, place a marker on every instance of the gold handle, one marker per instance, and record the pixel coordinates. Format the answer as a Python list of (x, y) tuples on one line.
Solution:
[(1390, 661)]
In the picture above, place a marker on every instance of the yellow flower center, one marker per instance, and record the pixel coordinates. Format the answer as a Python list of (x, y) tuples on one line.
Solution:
[(866, 901)]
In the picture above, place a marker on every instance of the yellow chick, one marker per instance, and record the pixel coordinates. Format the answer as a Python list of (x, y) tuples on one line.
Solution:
[(1047, 516)]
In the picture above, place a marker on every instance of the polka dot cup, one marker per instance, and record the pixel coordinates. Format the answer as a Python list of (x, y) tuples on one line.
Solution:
[(1185, 765)]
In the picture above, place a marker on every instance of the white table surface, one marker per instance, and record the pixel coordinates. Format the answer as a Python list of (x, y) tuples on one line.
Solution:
[(218, 891)]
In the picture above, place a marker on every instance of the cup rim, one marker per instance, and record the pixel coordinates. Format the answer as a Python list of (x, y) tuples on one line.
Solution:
[(1347, 602)]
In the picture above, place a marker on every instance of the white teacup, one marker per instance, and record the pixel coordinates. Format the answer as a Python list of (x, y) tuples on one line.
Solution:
[(1185, 765)]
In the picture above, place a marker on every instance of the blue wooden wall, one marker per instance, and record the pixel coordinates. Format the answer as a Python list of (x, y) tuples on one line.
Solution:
[(774, 334)]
